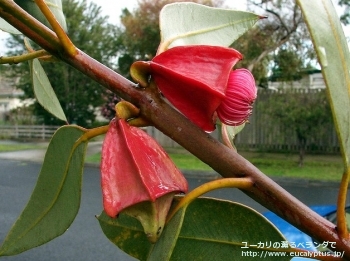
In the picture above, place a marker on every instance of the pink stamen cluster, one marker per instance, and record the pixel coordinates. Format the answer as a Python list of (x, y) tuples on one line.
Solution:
[(240, 94)]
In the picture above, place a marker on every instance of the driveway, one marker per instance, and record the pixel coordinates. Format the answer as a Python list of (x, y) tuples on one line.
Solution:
[(84, 240)]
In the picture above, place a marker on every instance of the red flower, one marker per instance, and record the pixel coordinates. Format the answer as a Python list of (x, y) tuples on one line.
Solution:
[(195, 80), (240, 95), (138, 177), (134, 168)]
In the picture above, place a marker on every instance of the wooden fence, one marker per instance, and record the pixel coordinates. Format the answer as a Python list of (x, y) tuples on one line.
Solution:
[(265, 134), (261, 134), (27, 132)]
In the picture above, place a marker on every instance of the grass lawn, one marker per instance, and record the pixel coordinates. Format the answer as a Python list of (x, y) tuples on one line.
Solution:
[(181, 159), (322, 167), (6, 147)]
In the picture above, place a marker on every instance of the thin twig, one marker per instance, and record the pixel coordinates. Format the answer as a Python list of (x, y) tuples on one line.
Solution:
[(23, 57), (61, 34)]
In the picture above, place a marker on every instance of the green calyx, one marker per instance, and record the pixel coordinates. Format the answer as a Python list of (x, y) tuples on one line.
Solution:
[(152, 215)]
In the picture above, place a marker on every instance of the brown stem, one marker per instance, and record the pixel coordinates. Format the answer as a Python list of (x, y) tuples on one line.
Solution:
[(222, 159)]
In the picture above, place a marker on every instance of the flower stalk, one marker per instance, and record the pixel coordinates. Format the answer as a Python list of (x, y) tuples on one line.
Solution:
[(240, 183)]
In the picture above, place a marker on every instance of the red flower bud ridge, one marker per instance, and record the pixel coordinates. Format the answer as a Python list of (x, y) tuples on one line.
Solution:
[(134, 168)]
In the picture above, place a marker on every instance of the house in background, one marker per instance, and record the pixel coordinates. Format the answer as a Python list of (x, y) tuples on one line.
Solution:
[(311, 79), (10, 98)]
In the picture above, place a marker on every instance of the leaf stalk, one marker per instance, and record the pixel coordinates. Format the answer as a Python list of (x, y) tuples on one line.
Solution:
[(61, 34), (23, 57), (241, 183)]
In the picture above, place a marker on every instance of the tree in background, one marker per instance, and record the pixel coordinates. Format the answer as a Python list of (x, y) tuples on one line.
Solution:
[(281, 46), (302, 112), (282, 31), (345, 17), (139, 37), (286, 66), (91, 32)]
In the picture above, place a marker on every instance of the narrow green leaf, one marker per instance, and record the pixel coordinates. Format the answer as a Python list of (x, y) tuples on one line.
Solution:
[(208, 229), (194, 24), (5, 26), (44, 92), (333, 54), (55, 200)]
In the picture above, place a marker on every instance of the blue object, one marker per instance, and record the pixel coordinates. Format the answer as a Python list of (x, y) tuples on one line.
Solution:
[(293, 235)]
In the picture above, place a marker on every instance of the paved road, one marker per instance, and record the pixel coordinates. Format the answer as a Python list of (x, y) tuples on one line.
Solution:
[(84, 239)]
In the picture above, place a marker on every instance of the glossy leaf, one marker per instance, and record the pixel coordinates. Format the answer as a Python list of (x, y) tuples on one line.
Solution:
[(55, 200), (193, 24), (208, 229), (44, 92), (5, 26), (127, 233), (333, 55), (54, 5)]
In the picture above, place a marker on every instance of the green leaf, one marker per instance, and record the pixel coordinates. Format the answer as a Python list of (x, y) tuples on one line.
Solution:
[(55, 200), (44, 92), (333, 54), (195, 24), (5, 26), (208, 229), (127, 233), (55, 7)]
